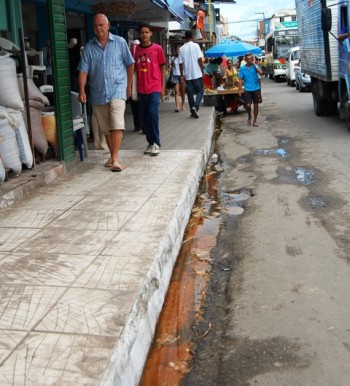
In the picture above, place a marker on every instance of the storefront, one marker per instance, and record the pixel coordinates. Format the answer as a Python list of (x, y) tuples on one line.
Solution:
[(49, 25)]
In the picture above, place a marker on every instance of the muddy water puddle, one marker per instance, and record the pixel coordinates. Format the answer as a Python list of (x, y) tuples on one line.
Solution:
[(171, 353)]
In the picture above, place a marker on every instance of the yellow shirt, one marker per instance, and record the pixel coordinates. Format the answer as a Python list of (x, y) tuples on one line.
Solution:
[(231, 76)]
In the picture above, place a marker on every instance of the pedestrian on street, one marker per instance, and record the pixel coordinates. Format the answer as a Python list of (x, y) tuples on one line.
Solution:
[(191, 69), (107, 61), (248, 75), (179, 87), (150, 68), (134, 104)]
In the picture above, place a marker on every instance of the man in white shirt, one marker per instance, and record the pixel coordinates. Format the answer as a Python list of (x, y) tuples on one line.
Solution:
[(191, 69)]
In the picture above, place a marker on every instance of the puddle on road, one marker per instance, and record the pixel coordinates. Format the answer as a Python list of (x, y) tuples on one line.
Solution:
[(317, 202), (280, 151), (304, 175)]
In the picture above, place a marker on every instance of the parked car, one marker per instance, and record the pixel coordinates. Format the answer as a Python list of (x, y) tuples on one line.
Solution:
[(292, 59), (302, 80)]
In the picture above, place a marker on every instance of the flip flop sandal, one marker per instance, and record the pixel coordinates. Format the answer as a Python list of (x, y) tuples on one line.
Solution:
[(177, 110), (249, 122), (116, 168), (108, 164), (255, 125)]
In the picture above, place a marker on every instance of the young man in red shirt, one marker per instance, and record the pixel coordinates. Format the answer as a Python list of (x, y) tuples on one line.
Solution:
[(150, 69)]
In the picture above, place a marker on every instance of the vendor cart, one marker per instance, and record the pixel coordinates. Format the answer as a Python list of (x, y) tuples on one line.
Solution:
[(223, 99)]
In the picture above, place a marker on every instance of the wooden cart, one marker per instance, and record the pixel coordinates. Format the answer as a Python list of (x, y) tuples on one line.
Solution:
[(223, 99)]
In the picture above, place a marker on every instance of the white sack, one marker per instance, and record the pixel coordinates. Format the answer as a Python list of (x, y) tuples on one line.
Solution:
[(9, 92)]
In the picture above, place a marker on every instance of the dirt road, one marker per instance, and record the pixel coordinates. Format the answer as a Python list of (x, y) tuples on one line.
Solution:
[(278, 305)]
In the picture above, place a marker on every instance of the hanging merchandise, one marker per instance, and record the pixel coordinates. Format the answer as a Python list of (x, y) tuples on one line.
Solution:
[(115, 8)]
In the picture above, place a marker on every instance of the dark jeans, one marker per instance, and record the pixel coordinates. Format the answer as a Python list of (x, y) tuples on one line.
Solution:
[(194, 86), (135, 108), (149, 116)]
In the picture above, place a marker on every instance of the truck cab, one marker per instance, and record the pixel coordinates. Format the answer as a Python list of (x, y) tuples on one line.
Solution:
[(344, 59)]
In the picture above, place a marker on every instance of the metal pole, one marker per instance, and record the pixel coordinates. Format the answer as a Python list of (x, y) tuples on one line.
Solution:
[(210, 20)]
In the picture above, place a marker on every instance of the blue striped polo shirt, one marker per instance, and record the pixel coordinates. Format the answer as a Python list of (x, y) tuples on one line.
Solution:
[(106, 68)]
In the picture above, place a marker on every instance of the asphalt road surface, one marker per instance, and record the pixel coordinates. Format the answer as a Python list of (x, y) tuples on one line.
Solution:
[(278, 305)]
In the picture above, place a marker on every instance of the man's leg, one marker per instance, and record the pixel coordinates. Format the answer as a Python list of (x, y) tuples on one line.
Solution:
[(248, 107), (190, 93), (153, 112), (115, 139), (199, 92), (117, 124), (144, 115), (135, 114), (256, 112)]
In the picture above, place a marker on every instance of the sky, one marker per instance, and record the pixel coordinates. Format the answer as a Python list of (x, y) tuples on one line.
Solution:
[(239, 14)]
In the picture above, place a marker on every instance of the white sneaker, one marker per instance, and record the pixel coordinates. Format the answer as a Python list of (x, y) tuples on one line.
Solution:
[(148, 150), (154, 150), (194, 112)]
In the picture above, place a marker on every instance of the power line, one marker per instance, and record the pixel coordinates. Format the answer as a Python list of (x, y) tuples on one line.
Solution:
[(243, 21)]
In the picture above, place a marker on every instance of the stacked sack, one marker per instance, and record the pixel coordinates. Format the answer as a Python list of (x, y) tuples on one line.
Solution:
[(14, 142), (37, 101)]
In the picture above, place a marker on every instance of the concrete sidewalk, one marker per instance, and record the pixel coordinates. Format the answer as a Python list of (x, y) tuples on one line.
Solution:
[(85, 261)]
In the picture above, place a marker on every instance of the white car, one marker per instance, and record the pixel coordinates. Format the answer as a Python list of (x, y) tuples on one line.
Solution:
[(292, 59), (302, 80)]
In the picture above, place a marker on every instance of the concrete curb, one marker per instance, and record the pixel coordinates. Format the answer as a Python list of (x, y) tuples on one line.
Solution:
[(128, 359)]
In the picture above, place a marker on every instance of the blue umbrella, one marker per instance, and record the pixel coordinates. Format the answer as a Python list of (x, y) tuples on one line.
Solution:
[(232, 48)]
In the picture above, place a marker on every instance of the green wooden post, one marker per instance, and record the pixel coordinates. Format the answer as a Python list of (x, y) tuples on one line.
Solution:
[(60, 67)]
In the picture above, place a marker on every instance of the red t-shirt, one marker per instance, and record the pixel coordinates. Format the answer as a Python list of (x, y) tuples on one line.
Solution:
[(148, 62)]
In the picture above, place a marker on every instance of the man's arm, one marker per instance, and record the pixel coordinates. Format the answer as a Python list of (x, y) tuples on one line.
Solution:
[(182, 72), (162, 69), (82, 82), (129, 74), (240, 83), (201, 65), (259, 70)]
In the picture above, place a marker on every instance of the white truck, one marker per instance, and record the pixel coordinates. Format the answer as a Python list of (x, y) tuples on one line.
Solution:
[(324, 56)]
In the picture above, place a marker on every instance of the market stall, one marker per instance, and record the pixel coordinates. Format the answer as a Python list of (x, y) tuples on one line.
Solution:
[(223, 99)]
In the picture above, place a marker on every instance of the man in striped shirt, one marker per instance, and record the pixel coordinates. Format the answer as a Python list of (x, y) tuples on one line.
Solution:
[(108, 63)]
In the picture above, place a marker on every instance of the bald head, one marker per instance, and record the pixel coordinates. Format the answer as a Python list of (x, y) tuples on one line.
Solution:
[(101, 16), (101, 27)]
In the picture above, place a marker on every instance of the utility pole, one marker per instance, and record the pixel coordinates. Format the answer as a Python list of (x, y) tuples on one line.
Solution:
[(264, 28)]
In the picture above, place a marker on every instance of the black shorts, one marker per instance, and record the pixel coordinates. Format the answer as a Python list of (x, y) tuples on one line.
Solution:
[(252, 96)]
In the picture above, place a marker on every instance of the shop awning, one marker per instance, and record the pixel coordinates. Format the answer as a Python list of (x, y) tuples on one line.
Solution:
[(190, 14), (174, 7), (160, 3)]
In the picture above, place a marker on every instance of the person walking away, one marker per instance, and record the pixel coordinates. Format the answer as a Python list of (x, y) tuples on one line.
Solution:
[(135, 107), (191, 69), (248, 75), (150, 69), (108, 63), (179, 87)]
